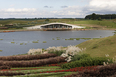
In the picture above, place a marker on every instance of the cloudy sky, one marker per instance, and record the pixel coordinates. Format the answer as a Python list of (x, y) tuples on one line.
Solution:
[(55, 8)]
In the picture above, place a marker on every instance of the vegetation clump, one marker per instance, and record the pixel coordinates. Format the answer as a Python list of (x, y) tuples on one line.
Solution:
[(21, 43), (88, 61), (12, 42), (1, 39), (4, 67), (33, 63), (26, 57), (103, 71), (35, 42), (44, 42)]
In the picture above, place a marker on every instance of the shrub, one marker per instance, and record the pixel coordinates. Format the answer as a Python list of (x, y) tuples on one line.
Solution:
[(71, 51), (88, 61), (51, 49), (35, 51), (57, 52), (79, 56), (11, 73), (12, 42), (4, 67), (105, 71), (35, 41), (44, 42), (33, 63), (27, 57)]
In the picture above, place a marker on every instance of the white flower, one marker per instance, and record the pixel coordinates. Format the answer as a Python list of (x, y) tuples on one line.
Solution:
[(64, 55), (59, 48), (34, 51), (106, 55)]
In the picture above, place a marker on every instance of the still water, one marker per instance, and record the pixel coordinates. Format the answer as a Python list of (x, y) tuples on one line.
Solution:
[(14, 43)]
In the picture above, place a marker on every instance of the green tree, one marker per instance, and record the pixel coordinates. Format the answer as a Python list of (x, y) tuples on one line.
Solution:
[(47, 20), (99, 19), (93, 16)]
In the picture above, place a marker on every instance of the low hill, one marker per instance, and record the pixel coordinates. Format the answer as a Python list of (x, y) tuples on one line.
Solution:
[(100, 47)]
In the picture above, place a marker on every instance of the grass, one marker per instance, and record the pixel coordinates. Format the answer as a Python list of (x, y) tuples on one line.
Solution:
[(53, 39), (21, 43), (1, 50), (47, 75), (35, 72), (100, 47), (44, 42), (80, 22), (35, 41), (58, 39), (80, 38), (1, 39), (104, 23), (12, 42)]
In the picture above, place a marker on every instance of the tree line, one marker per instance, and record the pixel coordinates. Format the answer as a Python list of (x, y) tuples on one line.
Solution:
[(99, 17)]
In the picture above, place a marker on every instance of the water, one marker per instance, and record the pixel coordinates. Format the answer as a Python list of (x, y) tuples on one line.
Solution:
[(23, 41)]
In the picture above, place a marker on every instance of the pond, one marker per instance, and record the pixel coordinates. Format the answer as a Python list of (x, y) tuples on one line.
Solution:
[(14, 43)]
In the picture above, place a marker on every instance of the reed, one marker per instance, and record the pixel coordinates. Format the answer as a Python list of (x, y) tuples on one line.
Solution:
[(35, 42), (21, 43), (44, 42), (1, 50), (12, 42)]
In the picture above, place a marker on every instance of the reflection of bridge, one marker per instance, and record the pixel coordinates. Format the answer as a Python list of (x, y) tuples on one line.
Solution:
[(55, 26)]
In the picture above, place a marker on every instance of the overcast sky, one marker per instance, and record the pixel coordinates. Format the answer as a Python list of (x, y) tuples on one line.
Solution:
[(55, 8)]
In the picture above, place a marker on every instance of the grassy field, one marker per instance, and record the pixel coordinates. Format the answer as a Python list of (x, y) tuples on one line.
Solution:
[(81, 22), (100, 47), (95, 23)]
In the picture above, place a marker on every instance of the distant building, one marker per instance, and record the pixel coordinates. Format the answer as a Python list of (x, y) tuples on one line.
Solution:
[(55, 26)]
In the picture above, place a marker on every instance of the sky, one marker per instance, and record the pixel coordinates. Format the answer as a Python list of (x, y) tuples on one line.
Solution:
[(55, 8)]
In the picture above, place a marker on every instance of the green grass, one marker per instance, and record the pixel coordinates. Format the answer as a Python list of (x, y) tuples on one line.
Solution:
[(35, 72), (1, 39), (53, 39), (35, 41), (19, 23), (107, 23), (61, 74), (44, 42), (42, 67), (12, 42), (100, 47), (80, 38), (21, 43), (1, 50), (58, 39)]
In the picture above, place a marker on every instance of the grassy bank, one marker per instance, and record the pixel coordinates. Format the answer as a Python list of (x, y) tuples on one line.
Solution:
[(96, 23), (100, 47), (89, 24)]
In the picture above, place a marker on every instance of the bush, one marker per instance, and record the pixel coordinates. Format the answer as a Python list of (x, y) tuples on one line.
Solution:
[(27, 57), (4, 67), (57, 52), (33, 63), (11, 73), (88, 61), (79, 56), (105, 71)]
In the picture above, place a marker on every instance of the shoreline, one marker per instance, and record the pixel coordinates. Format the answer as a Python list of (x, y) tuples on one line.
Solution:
[(22, 30)]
